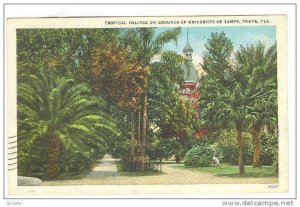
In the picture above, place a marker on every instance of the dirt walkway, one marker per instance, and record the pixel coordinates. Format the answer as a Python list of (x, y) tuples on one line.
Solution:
[(105, 169), (106, 174)]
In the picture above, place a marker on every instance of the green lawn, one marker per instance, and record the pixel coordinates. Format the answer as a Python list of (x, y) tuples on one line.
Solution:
[(233, 171)]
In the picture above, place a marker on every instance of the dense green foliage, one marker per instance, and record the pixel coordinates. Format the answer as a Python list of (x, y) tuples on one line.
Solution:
[(199, 156), (65, 52), (269, 149), (169, 148), (178, 119)]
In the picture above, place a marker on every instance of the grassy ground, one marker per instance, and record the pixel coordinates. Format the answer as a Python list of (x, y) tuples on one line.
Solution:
[(233, 171), (176, 174)]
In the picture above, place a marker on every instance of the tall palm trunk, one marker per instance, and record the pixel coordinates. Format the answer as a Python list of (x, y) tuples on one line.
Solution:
[(53, 156), (239, 129), (138, 155), (132, 139), (257, 149), (144, 130)]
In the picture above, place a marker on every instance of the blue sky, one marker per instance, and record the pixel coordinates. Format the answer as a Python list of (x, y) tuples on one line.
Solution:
[(239, 35)]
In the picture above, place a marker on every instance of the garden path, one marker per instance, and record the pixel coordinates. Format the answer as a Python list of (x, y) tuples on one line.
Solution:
[(106, 168)]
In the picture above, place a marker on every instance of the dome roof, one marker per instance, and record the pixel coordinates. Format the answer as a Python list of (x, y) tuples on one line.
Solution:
[(190, 72), (187, 48)]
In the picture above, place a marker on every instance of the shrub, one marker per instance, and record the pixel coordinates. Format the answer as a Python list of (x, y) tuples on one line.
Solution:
[(168, 148), (199, 157)]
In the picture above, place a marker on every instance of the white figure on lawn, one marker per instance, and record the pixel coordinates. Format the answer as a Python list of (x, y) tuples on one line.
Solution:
[(215, 159)]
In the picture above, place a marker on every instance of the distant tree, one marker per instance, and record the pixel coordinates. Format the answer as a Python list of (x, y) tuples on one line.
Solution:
[(165, 79), (40, 48), (168, 110), (177, 118), (120, 81), (65, 52), (216, 59)]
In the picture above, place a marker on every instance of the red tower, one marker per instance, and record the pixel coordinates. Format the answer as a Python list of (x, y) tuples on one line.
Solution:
[(190, 89), (191, 78)]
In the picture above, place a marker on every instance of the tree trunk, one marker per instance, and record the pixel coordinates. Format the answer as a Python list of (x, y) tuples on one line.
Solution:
[(144, 130), (132, 139), (257, 149), (53, 156), (239, 129), (138, 155), (177, 158)]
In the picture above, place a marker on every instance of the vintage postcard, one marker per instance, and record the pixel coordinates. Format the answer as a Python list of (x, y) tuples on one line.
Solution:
[(147, 105)]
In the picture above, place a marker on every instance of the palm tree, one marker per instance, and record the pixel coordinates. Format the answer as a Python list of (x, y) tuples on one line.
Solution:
[(226, 104), (262, 64), (63, 113), (144, 43), (224, 96)]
